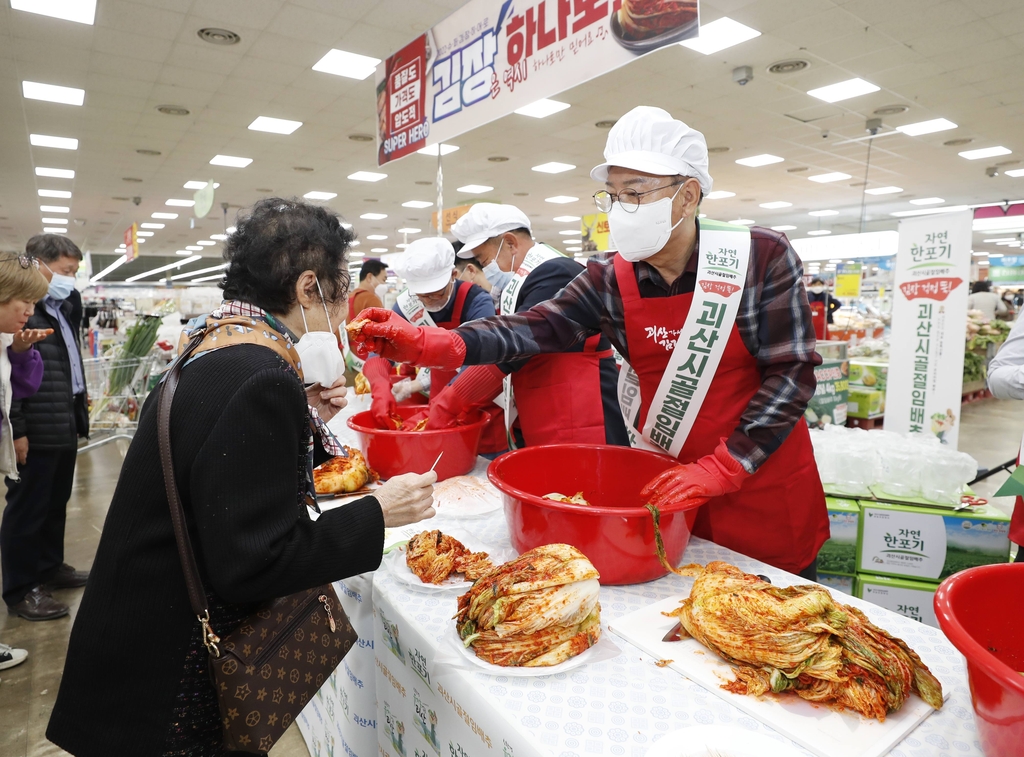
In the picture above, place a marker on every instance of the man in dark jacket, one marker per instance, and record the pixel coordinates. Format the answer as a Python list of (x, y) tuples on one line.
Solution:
[(46, 431)]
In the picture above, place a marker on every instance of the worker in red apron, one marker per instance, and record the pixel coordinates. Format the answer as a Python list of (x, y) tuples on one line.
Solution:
[(713, 323)]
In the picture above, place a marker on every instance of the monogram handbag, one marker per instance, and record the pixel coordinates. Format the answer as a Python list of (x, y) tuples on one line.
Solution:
[(268, 668)]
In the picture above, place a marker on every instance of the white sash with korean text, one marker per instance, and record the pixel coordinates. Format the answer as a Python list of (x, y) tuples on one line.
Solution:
[(723, 256)]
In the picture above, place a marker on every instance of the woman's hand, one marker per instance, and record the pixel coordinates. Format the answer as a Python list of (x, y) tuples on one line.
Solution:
[(327, 402), (24, 339), (408, 498)]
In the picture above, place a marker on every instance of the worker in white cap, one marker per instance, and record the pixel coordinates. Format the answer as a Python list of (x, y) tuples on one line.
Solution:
[(713, 322)]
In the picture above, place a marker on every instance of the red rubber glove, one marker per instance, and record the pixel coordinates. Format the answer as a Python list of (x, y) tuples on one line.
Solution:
[(475, 387), (378, 371), (391, 336), (711, 476)]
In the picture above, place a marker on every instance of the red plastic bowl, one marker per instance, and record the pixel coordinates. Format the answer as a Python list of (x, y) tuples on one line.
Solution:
[(616, 532), (392, 453), (980, 611)]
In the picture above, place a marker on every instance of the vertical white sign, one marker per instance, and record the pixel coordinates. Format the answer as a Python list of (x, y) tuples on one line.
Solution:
[(929, 323)]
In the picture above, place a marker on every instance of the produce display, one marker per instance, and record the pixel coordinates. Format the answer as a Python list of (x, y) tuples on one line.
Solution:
[(535, 611), (799, 640), (981, 332), (575, 499), (343, 475), (433, 556)]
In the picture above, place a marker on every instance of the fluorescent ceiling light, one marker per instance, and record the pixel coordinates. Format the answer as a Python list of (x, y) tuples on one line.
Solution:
[(165, 216), (553, 167), (144, 233), (566, 219), (206, 243), (52, 93), (743, 221), (572, 241), (927, 201), (151, 225), (401, 245), (475, 189), (783, 228), (230, 161), (561, 199), (378, 249), (54, 209), (843, 90), (55, 173), (776, 205), (719, 194), (161, 269), (928, 211), (367, 176), (201, 279), (987, 241), (141, 241), (574, 249), (756, 161), (230, 230), (542, 108), (357, 254), (376, 237), (374, 216), (826, 178), (182, 252), (417, 204), (180, 203), (54, 230), (199, 185), (1006, 244), (883, 191), (926, 127), (219, 237), (61, 143), (720, 34), (190, 274), (113, 266), (61, 194), (433, 150), (978, 254), (350, 65), (79, 11), (995, 254), (819, 213), (984, 152), (564, 232), (62, 221), (345, 225), (1016, 173), (320, 195), (818, 233), (409, 230), (122, 246), (274, 125), (194, 248), (983, 264)]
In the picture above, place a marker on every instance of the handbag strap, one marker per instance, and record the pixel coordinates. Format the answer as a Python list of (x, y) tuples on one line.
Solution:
[(196, 592)]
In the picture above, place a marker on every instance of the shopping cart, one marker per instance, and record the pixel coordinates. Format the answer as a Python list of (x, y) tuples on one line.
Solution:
[(118, 385)]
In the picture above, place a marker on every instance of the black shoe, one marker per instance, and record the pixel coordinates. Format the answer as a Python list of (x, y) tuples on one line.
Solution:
[(67, 578), (38, 605)]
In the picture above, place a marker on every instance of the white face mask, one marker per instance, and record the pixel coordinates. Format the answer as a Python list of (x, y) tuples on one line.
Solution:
[(817, 289), (320, 352), (646, 230), (380, 290), (494, 274)]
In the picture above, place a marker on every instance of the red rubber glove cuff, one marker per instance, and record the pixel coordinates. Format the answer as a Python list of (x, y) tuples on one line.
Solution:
[(378, 372), (393, 337), (711, 476), (475, 387)]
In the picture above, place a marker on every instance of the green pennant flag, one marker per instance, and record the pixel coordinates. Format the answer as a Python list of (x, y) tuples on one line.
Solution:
[(1014, 485)]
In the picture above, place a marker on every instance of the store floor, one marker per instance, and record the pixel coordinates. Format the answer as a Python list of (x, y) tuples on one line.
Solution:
[(990, 432)]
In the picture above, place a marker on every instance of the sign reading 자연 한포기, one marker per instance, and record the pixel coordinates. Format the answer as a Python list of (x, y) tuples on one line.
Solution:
[(929, 321), (491, 57)]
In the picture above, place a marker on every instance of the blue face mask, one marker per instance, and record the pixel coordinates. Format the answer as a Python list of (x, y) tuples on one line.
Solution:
[(60, 285)]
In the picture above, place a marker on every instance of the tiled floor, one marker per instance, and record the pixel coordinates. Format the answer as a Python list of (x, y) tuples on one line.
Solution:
[(991, 432)]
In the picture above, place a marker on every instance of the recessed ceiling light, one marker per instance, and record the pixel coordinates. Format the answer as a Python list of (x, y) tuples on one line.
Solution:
[(374, 216), (320, 195), (719, 194), (984, 152), (843, 90), (60, 194), (755, 161), (376, 237), (144, 233), (151, 225), (367, 176), (926, 127), (890, 110), (378, 249), (165, 216), (929, 211), (433, 150), (52, 93), (821, 213), (566, 219), (79, 11), (788, 66), (417, 204), (61, 143), (230, 161), (542, 108), (180, 203), (60, 221), (561, 199), (409, 230), (216, 36), (1016, 173), (350, 65), (199, 185), (742, 221), (883, 191), (564, 232), (54, 230), (475, 189), (776, 205), (927, 201), (553, 167), (194, 248), (55, 173), (784, 227), (274, 125), (826, 178), (818, 233), (720, 34), (219, 237), (54, 208), (206, 243)]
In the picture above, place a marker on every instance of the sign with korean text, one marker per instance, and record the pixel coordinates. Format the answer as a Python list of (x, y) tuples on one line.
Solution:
[(131, 242), (491, 57), (594, 232), (449, 216), (848, 280), (929, 320)]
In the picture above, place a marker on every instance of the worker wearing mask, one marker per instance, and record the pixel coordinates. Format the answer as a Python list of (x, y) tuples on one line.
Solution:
[(818, 292), (714, 324)]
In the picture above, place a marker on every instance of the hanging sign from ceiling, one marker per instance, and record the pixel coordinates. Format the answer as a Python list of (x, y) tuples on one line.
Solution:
[(131, 242), (492, 57)]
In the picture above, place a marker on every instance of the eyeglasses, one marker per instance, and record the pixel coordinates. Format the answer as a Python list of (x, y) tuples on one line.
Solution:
[(629, 199), (440, 296), (24, 260)]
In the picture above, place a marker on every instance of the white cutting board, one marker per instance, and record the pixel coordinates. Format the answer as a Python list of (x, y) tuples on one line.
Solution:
[(815, 727)]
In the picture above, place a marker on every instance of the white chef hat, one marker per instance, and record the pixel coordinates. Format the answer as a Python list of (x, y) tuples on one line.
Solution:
[(486, 220), (648, 139), (426, 265)]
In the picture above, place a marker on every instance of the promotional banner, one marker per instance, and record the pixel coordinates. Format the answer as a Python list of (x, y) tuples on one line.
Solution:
[(594, 232), (492, 57), (929, 322), (131, 242), (848, 280), (449, 216)]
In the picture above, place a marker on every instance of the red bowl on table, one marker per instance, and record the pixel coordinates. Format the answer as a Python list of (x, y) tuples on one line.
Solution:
[(980, 611), (392, 453), (616, 531)]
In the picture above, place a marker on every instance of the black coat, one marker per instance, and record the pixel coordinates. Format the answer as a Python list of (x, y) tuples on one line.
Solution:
[(53, 418)]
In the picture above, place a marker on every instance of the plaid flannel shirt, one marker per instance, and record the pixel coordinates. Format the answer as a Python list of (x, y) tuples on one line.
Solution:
[(774, 321)]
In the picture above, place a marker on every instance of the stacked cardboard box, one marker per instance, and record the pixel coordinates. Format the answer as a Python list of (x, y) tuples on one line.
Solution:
[(837, 559)]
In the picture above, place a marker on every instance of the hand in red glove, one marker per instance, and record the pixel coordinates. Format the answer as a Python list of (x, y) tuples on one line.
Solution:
[(475, 387), (377, 371), (391, 336), (711, 476)]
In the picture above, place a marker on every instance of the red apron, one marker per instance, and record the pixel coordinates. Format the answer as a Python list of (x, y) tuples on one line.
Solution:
[(779, 515)]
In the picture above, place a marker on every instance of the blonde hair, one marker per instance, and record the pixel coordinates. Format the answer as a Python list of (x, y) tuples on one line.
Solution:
[(17, 283)]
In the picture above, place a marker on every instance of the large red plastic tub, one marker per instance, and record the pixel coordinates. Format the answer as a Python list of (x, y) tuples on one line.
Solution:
[(392, 453), (616, 531), (981, 611)]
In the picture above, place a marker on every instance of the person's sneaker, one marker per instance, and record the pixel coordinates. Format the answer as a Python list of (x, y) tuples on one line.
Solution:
[(67, 578), (39, 605), (9, 656)]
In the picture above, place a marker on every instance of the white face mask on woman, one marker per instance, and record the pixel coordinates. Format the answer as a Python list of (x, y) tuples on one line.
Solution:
[(319, 351), (645, 231)]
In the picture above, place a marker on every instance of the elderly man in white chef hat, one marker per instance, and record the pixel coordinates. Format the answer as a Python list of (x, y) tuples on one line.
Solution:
[(713, 323)]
